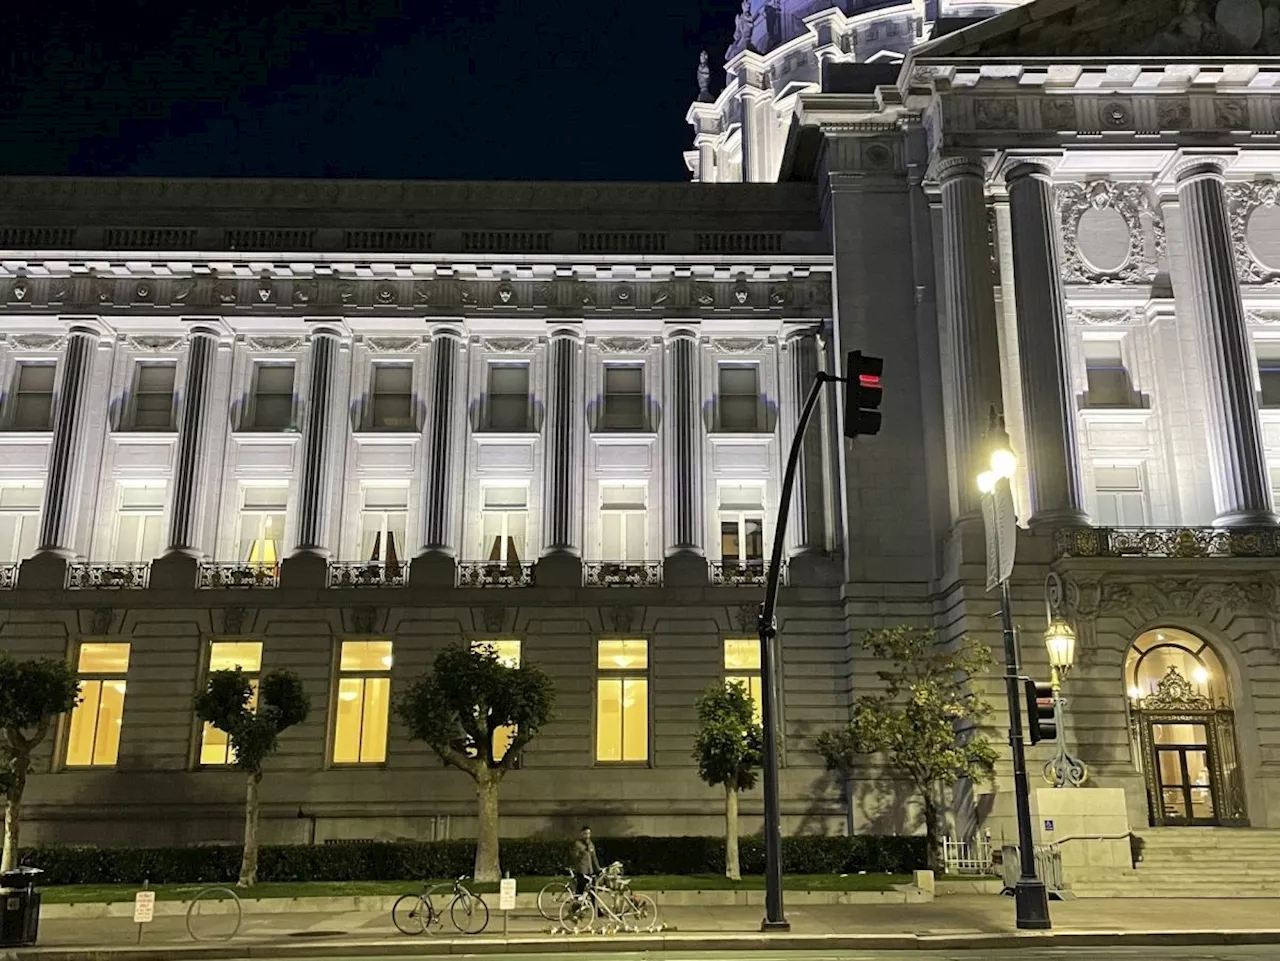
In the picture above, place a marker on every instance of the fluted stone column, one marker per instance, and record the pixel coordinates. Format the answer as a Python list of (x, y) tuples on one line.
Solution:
[(47, 567), (807, 530), (561, 561), (972, 333), (706, 159), (309, 562), (1240, 487), (436, 563), (1053, 461), (178, 566), (685, 561)]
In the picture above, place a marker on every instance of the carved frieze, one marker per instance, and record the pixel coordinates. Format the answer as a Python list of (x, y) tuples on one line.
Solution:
[(1243, 199), (276, 345), (511, 345), (45, 343), (1188, 596), (995, 113), (739, 345), (392, 345), (1104, 317), (622, 345), (155, 344), (1133, 203)]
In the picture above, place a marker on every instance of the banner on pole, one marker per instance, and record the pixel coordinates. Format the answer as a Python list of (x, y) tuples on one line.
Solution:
[(1001, 526)]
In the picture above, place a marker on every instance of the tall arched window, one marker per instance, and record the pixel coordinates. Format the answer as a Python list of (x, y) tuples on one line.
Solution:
[(1156, 654)]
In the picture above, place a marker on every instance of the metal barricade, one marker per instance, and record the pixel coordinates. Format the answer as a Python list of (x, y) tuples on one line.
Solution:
[(967, 857)]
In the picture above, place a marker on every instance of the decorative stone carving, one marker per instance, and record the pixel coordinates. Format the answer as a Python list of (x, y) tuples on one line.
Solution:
[(1230, 114), (704, 295), (143, 292), (40, 342), (274, 344), (467, 295), (392, 345), (304, 291), (1116, 115), (1262, 318), (20, 289), (1083, 599), (661, 294), (1188, 596), (739, 345), (620, 619), (1173, 113), (347, 293), (995, 114), (155, 344), (781, 294), (624, 294), (1110, 317), (1058, 113), (494, 617), (266, 290), (746, 618), (622, 345), (386, 294), (1175, 693), (234, 619), (877, 156), (506, 293), (423, 290), (364, 620), (100, 620), (511, 345), (543, 294), (583, 294), (225, 291), (1132, 203), (1242, 200)]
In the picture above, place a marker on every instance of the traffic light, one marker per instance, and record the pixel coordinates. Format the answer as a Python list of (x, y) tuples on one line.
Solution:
[(862, 394), (1042, 716)]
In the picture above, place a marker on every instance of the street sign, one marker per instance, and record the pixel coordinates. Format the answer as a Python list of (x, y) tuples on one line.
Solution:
[(1048, 825), (507, 894), (144, 907)]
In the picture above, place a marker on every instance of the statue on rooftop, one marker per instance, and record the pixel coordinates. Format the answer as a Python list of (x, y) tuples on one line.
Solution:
[(704, 79), (742, 25)]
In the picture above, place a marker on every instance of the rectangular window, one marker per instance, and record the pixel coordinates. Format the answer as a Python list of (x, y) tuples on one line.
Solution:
[(742, 666), (623, 522), (364, 703), (507, 652), (153, 396), (508, 398), (93, 738), (504, 524), (215, 747), (1122, 501), (742, 523), (1268, 352), (622, 701), (739, 397), (392, 406), (262, 524), (383, 515), (1273, 471), (139, 523), (19, 521), (33, 396), (624, 400), (272, 397), (1108, 381)]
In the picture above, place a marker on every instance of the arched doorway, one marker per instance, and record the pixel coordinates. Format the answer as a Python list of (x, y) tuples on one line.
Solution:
[(1184, 730)]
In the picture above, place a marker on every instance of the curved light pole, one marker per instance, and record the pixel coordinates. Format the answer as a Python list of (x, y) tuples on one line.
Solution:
[(1063, 769)]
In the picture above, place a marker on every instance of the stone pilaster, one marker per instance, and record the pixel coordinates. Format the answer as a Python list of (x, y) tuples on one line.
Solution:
[(436, 563), (1240, 487), (685, 561), (561, 561), (1053, 460), (807, 530), (972, 335)]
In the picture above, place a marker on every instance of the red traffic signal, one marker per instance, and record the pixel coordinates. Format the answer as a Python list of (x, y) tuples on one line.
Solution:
[(863, 391)]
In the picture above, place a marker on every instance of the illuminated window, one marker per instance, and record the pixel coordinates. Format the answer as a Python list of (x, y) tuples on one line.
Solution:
[(261, 525), (153, 395), (624, 402), (19, 521), (94, 736), (738, 402), (622, 701), (1108, 381), (139, 523), (623, 522), (382, 523), (215, 747), (742, 523), (504, 524), (1122, 501), (272, 397), (508, 397), (742, 666), (508, 653), (392, 403), (33, 396), (364, 703), (1268, 354)]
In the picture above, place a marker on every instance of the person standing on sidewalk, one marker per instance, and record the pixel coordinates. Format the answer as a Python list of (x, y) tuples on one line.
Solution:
[(585, 863)]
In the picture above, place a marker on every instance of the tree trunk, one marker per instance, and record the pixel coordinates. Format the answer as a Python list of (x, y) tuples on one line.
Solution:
[(12, 806), (732, 869), (249, 863), (488, 868), (931, 831)]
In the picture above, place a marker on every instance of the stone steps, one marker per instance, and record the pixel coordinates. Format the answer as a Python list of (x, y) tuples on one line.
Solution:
[(1192, 862)]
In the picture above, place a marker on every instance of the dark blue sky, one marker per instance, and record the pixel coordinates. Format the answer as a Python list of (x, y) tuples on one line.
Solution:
[(475, 89)]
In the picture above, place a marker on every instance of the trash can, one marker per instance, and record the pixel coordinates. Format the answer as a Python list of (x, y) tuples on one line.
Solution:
[(19, 907)]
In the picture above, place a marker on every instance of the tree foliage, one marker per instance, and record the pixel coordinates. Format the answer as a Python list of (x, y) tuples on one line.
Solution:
[(253, 733), (729, 746), (925, 723)]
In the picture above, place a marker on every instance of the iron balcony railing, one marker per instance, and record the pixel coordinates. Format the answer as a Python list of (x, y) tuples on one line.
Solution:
[(8, 576), (622, 573), (369, 574), (1167, 542), (494, 574), (113, 577), (222, 576), (742, 573)]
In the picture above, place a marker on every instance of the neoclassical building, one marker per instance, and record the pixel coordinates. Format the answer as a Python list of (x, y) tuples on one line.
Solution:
[(336, 425)]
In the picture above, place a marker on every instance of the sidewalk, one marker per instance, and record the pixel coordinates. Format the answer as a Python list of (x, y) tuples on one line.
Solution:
[(956, 922)]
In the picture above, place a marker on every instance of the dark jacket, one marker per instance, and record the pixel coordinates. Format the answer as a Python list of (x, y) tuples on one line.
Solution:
[(584, 857)]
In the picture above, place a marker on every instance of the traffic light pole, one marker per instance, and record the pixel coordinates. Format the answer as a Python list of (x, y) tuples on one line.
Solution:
[(774, 917), (1031, 900)]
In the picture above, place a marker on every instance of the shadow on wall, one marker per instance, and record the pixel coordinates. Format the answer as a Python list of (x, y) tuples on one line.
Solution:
[(884, 806)]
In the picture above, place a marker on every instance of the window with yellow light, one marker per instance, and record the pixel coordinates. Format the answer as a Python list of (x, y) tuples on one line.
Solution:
[(742, 666), (93, 738), (262, 513), (622, 701), (215, 746), (364, 702), (508, 654)]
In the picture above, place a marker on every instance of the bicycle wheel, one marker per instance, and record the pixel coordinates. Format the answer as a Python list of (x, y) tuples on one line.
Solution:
[(411, 914), (551, 897), (208, 917), (469, 913), (642, 911), (577, 914)]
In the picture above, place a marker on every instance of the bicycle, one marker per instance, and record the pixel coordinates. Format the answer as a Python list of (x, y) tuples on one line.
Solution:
[(209, 903), (629, 911), (420, 913), (552, 895)]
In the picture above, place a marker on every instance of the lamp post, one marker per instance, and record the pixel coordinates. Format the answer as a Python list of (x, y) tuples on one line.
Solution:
[(1031, 900), (1063, 769)]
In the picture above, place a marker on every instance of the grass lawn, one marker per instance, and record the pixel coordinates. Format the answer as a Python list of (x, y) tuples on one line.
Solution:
[(99, 893)]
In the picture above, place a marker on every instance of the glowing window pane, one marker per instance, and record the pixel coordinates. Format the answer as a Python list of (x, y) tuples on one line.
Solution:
[(365, 656), (635, 719), (228, 655), (622, 655), (97, 658), (346, 729), (742, 654), (609, 719)]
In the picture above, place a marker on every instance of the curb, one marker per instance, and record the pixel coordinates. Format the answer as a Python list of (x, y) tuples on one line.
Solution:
[(646, 943)]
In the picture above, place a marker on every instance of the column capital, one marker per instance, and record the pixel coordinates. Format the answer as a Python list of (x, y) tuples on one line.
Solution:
[(452, 333), (680, 333), (1189, 168), (953, 166), (1015, 169), (566, 333)]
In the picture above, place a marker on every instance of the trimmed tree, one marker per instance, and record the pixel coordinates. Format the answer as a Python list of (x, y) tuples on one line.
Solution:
[(926, 723), (459, 707), (253, 735), (33, 694), (729, 748)]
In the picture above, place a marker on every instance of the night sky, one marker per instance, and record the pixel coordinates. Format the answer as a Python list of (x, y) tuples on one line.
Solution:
[(452, 89)]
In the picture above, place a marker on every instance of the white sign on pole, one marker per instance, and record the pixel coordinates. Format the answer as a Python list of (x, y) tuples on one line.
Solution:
[(144, 907), (507, 894), (1001, 524)]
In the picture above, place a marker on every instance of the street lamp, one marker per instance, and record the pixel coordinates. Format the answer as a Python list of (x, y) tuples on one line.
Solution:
[(1031, 900), (1063, 769)]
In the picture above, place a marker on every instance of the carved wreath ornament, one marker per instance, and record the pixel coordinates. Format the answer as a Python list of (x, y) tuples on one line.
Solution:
[(1242, 201), (1131, 202)]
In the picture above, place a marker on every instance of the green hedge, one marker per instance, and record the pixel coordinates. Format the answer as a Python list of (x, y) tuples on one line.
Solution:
[(406, 861)]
